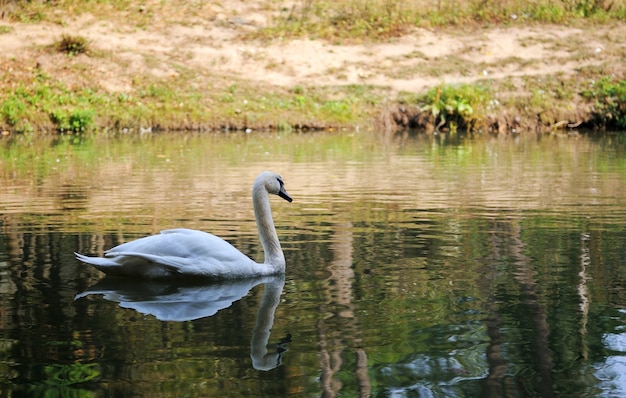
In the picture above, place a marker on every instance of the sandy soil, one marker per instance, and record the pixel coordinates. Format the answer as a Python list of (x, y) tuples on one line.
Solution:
[(210, 43)]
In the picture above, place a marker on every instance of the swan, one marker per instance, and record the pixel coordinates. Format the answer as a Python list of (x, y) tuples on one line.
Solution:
[(180, 253)]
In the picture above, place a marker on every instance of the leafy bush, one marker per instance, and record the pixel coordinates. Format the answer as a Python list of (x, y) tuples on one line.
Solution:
[(13, 109), (609, 102), (456, 105), (76, 121)]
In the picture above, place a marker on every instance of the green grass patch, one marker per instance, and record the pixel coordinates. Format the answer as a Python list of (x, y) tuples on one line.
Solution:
[(301, 107), (40, 102)]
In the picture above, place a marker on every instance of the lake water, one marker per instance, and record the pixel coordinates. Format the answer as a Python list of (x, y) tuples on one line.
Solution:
[(417, 266)]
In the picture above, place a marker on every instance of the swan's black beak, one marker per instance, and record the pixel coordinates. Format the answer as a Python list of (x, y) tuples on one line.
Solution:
[(283, 194)]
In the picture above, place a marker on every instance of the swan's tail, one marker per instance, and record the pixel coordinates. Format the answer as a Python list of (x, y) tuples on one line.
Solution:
[(107, 265), (131, 264), (96, 261)]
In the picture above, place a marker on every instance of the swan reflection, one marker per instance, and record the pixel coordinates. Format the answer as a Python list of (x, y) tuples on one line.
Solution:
[(175, 301)]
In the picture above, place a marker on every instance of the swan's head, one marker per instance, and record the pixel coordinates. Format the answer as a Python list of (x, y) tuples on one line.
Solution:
[(273, 183)]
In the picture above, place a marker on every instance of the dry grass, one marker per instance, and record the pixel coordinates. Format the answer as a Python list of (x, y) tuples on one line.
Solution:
[(158, 82)]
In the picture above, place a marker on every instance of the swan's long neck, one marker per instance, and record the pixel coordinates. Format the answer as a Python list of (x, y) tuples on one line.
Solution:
[(267, 232)]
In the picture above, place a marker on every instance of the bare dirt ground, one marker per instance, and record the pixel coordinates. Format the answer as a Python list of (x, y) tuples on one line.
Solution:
[(210, 43)]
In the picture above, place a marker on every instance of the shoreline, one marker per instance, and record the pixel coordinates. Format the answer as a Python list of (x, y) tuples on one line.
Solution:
[(210, 73)]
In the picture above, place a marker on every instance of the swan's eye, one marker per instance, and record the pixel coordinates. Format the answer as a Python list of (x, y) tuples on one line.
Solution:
[(280, 181)]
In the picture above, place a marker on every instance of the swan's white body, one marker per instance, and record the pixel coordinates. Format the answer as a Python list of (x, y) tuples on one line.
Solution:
[(177, 253)]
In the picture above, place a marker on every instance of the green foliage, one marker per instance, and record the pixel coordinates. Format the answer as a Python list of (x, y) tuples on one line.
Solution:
[(13, 110), (36, 103), (456, 105), (76, 120), (609, 99), (339, 110)]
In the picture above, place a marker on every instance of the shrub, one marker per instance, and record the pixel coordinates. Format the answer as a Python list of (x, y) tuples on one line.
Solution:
[(73, 45), (456, 105), (609, 99), (76, 121), (13, 109)]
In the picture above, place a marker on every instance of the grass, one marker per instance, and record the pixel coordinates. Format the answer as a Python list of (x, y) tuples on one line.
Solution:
[(72, 101), (594, 100), (343, 20), (382, 19), (41, 102)]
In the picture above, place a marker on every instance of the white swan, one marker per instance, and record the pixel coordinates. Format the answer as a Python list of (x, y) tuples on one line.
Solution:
[(177, 253)]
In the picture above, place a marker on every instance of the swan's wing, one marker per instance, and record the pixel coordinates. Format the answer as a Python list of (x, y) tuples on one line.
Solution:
[(183, 243), (181, 251)]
